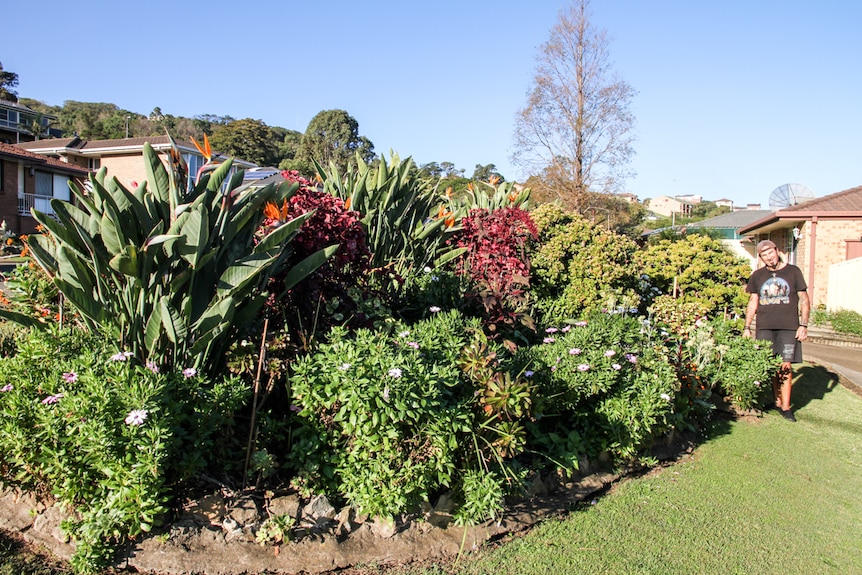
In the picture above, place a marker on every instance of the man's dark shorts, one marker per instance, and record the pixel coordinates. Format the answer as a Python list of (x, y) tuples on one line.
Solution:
[(784, 343)]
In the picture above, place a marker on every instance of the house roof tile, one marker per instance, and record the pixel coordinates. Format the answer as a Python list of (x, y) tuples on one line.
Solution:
[(840, 205), (8, 150), (733, 220), (847, 200)]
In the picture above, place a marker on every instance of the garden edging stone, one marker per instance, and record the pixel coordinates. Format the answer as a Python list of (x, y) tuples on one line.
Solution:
[(208, 537)]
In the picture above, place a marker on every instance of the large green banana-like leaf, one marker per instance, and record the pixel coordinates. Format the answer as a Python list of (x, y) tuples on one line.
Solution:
[(74, 271), (126, 261), (43, 252), (195, 236), (157, 175), (84, 302), (111, 237), (175, 327), (20, 318), (213, 322), (242, 274), (219, 175), (64, 230), (282, 233), (449, 256), (304, 268)]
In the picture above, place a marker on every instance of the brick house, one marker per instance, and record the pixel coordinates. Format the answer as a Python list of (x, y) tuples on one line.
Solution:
[(28, 180), (816, 235), (123, 158)]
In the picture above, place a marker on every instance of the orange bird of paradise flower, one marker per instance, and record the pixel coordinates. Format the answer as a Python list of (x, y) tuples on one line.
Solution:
[(272, 211), (207, 152)]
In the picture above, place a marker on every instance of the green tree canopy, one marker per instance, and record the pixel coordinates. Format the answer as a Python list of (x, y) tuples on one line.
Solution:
[(333, 136), (484, 173), (8, 80), (247, 139)]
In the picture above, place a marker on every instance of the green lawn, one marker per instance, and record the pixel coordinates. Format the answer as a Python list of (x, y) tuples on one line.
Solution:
[(761, 496)]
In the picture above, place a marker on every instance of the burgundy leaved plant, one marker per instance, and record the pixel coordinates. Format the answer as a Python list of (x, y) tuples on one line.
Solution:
[(321, 299), (498, 266)]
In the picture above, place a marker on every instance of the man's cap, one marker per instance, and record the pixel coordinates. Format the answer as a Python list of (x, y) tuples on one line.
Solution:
[(766, 244)]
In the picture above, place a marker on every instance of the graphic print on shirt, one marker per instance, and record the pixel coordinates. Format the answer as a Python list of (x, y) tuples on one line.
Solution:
[(774, 291)]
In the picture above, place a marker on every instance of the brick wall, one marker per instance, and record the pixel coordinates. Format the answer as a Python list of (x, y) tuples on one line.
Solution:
[(126, 168)]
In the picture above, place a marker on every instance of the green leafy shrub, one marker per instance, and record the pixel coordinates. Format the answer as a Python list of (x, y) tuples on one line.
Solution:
[(607, 378), (431, 291), (675, 314), (386, 419), (379, 422), (482, 497), (701, 269), (737, 368), (578, 267), (105, 435), (846, 321)]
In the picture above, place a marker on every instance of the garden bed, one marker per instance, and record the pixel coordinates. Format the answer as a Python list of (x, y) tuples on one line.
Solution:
[(215, 533)]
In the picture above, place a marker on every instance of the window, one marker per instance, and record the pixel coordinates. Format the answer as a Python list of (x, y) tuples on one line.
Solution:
[(9, 118), (44, 184), (194, 163), (94, 164)]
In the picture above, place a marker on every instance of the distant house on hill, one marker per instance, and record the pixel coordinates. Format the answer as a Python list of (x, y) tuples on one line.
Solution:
[(18, 123), (28, 180), (667, 206), (822, 236), (123, 158)]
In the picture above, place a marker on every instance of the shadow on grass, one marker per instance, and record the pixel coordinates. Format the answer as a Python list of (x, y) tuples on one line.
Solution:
[(812, 382)]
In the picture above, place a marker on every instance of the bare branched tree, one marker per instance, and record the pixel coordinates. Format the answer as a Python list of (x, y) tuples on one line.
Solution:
[(575, 133)]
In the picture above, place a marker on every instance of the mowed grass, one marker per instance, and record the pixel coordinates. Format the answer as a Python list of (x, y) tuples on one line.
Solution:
[(760, 496)]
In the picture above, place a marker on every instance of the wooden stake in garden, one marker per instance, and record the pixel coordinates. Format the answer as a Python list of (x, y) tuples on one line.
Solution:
[(254, 403)]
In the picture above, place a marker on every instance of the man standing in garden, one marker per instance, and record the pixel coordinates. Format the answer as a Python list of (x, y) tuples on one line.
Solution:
[(779, 299)]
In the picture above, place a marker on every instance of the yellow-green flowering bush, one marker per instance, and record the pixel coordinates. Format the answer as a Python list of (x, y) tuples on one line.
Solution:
[(579, 267), (704, 271)]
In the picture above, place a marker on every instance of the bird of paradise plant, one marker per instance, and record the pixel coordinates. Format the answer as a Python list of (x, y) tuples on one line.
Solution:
[(175, 273)]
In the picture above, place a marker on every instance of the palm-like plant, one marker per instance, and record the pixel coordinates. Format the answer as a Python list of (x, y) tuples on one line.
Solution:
[(407, 224), (178, 273)]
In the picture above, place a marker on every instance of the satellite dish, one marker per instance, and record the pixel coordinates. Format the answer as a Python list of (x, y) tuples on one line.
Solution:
[(789, 195)]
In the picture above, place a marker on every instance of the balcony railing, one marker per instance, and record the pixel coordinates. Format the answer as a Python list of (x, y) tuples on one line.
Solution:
[(41, 203)]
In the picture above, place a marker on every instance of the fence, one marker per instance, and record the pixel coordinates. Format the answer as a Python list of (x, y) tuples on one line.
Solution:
[(844, 281)]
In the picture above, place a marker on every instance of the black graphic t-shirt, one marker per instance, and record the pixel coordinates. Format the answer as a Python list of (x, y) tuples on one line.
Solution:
[(778, 293)]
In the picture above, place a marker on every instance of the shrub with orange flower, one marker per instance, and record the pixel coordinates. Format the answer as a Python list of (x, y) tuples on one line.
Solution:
[(326, 289)]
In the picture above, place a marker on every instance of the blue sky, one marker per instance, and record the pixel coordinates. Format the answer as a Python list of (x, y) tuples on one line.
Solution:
[(734, 98)]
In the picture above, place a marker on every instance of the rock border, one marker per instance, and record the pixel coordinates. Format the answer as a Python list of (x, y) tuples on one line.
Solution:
[(215, 534)]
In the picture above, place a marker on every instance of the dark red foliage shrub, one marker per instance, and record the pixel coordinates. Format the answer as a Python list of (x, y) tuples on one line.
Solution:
[(321, 299), (498, 266)]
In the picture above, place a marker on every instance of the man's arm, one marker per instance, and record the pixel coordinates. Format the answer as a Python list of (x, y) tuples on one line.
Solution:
[(750, 312), (804, 312)]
